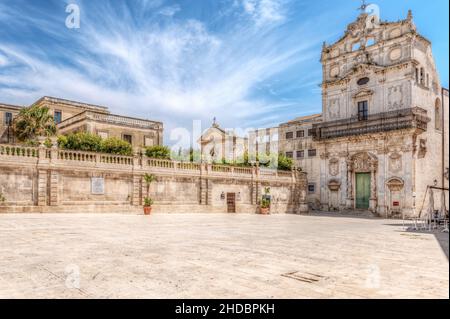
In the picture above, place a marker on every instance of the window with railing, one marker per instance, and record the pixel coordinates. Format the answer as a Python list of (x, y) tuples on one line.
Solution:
[(363, 110)]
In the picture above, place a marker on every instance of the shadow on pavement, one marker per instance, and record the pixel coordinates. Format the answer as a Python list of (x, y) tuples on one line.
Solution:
[(442, 238)]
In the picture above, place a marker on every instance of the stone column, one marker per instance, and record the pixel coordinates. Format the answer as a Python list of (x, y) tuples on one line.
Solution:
[(373, 188), (349, 203)]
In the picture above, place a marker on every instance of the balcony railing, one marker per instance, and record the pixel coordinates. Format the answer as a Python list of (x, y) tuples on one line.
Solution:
[(110, 118), (382, 122)]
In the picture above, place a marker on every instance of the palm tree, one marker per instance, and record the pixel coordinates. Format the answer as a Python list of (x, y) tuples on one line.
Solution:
[(32, 122)]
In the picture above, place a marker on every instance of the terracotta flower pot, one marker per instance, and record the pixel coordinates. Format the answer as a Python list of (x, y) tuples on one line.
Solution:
[(147, 210), (264, 211)]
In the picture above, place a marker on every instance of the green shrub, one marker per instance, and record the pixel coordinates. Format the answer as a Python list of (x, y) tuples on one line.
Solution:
[(113, 145), (148, 202), (160, 152), (265, 203), (87, 142), (284, 163)]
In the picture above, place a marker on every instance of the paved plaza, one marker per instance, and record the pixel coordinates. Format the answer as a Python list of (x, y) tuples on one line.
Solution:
[(218, 256)]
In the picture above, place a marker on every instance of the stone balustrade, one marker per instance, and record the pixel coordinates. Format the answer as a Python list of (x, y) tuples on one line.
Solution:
[(18, 151), (45, 179), (58, 156)]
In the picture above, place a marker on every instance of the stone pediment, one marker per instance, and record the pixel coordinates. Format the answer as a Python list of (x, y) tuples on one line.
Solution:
[(363, 93)]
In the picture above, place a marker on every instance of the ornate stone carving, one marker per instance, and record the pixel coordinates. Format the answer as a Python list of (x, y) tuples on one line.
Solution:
[(422, 148), (395, 54), (395, 163), (395, 97), (334, 108), (395, 184), (334, 185), (361, 163), (334, 167)]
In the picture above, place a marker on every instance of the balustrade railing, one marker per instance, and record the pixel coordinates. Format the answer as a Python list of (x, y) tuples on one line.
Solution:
[(221, 169), (68, 155), (18, 151), (91, 159), (116, 159)]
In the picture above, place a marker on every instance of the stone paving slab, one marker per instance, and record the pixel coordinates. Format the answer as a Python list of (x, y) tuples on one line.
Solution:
[(218, 256)]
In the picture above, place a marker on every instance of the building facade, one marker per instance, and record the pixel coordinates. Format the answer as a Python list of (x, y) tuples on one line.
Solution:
[(381, 139), (222, 146), (296, 141), (7, 114), (72, 116)]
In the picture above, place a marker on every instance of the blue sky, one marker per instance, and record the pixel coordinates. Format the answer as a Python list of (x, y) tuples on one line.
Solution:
[(250, 63)]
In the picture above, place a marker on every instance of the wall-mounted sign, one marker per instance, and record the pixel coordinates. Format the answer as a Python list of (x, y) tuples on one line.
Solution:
[(97, 185), (396, 204)]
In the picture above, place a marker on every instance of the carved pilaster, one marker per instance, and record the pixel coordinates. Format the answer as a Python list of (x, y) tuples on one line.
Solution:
[(42, 187), (137, 189), (54, 182)]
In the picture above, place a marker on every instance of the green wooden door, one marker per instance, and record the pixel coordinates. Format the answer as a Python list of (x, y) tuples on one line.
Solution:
[(362, 190)]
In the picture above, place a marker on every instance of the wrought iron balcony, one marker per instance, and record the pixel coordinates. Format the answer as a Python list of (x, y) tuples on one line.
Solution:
[(411, 118)]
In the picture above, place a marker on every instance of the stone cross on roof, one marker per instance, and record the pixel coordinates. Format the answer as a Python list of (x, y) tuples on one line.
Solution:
[(215, 124), (363, 6)]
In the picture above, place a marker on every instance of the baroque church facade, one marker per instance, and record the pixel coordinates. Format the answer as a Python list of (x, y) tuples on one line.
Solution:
[(381, 139)]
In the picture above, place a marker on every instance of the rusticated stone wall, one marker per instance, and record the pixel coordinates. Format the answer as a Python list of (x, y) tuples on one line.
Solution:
[(55, 180)]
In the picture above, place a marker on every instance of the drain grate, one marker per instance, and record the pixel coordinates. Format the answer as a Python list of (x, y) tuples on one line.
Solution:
[(307, 277)]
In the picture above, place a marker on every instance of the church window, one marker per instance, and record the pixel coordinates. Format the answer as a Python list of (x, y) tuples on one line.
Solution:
[(300, 154), (300, 134), (363, 110), (289, 135), (363, 81), (422, 76), (417, 75)]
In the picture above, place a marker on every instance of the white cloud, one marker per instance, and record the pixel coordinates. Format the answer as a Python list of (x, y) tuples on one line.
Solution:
[(174, 72), (170, 11), (3, 60), (265, 11)]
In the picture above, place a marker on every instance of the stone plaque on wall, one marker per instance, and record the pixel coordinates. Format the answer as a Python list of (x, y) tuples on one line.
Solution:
[(97, 185)]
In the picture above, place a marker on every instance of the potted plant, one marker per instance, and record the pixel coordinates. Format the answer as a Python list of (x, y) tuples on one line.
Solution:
[(148, 202), (2, 198), (264, 207)]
